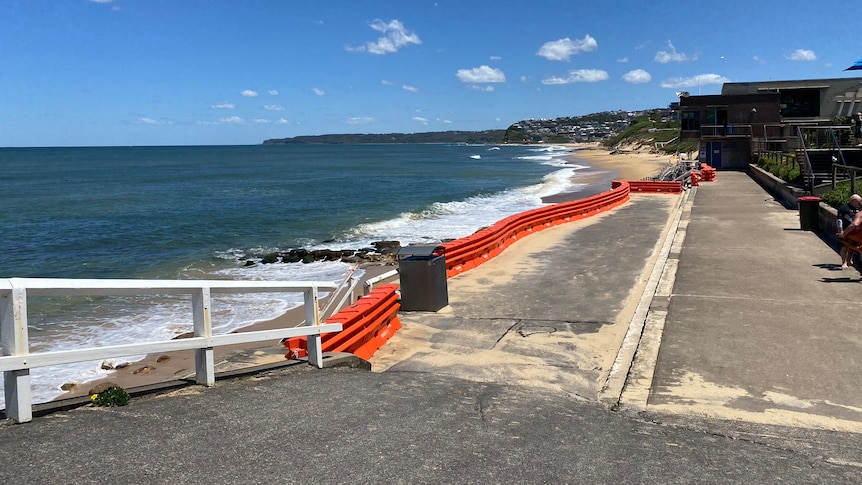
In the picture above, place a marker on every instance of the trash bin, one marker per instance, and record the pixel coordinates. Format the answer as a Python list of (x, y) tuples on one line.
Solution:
[(809, 213), (423, 279)]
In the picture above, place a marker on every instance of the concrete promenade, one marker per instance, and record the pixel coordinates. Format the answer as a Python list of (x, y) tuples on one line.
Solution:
[(701, 338)]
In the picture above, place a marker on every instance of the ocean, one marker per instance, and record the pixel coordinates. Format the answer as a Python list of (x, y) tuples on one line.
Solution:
[(204, 212)]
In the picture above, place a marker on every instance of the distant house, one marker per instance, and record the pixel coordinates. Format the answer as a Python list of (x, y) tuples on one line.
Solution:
[(748, 118)]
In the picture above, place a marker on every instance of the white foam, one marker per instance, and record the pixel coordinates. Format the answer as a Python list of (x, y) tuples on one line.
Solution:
[(127, 320), (455, 219)]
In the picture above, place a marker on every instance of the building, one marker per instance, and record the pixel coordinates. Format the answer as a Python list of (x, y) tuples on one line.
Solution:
[(753, 117)]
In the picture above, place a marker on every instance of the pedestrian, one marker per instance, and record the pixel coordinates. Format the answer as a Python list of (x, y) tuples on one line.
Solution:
[(857, 128), (850, 229)]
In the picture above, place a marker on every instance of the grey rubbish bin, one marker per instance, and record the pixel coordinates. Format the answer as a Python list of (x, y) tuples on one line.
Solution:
[(423, 279), (809, 213)]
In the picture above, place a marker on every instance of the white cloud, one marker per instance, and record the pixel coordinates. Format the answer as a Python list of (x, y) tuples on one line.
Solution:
[(223, 106), (802, 55), (249, 93), (148, 121), (496, 58), (420, 119), (261, 120), (282, 121), (387, 82), (563, 49), (359, 120), (486, 89), (637, 76), (481, 74), (233, 120), (319, 92), (695, 81), (578, 76), (273, 107), (273, 92), (412, 89), (395, 36), (671, 55), (623, 59)]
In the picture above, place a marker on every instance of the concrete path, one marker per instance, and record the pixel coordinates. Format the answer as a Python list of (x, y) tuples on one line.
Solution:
[(609, 350), (761, 324), (551, 311)]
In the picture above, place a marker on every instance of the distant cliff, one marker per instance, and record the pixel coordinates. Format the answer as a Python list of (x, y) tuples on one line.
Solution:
[(481, 137)]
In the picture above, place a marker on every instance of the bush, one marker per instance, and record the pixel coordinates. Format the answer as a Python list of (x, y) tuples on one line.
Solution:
[(837, 196), (112, 396), (780, 165)]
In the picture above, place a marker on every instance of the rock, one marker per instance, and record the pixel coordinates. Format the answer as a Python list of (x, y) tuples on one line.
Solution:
[(387, 247), (271, 258), (144, 370), (104, 386), (68, 386)]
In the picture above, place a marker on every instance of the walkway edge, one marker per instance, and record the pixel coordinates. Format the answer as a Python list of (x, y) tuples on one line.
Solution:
[(611, 393)]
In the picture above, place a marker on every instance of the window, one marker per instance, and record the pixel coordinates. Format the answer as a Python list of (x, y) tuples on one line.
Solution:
[(800, 103), (690, 120)]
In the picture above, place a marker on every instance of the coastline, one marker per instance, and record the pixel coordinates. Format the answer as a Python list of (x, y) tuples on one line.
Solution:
[(161, 368), (606, 167)]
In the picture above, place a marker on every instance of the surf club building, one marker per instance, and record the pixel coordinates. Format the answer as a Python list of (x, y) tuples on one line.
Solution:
[(749, 118)]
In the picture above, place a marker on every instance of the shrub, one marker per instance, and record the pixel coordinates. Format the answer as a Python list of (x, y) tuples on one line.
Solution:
[(112, 396), (837, 196)]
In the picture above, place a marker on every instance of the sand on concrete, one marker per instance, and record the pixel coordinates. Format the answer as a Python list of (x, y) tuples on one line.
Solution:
[(467, 351), (605, 167)]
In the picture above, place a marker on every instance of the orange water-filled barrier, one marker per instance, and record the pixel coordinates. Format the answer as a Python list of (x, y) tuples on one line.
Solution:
[(668, 187), (373, 319), (471, 251), (367, 325), (707, 173)]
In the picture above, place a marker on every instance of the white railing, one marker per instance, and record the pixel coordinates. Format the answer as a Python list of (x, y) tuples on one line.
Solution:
[(16, 360)]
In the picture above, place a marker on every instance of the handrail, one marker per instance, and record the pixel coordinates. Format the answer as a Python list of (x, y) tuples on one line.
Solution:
[(837, 146), (851, 174), (810, 168), (16, 359)]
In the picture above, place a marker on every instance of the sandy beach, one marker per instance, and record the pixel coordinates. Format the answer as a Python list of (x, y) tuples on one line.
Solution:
[(155, 369)]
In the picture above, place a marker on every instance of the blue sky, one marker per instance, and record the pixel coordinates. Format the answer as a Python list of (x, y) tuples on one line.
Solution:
[(200, 72)]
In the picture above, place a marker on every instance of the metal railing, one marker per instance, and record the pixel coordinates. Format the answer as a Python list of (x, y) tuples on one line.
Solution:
[(16, 360), (726, 130), (808, 168), (851, 173)]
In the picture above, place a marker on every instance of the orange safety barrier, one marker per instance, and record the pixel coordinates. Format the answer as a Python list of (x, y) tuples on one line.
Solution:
[(468, 252), (707, 173), (367, 325), (671, 187), (373, 319)]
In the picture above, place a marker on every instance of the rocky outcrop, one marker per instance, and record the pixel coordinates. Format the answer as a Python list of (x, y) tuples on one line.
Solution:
[(380, 252)]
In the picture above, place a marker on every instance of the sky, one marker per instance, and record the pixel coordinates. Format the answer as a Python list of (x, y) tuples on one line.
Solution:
[(220, 72)]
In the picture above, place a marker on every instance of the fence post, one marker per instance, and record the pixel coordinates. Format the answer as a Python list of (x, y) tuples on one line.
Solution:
[(13, 340), (204, 360), (312, 318)]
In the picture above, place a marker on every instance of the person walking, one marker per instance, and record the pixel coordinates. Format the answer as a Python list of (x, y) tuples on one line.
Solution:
[(846, 217)]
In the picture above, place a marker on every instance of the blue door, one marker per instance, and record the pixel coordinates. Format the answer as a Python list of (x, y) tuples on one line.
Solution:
[(713, 154)]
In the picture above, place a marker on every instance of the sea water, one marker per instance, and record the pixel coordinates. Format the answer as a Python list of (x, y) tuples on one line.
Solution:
[(204, 212)]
